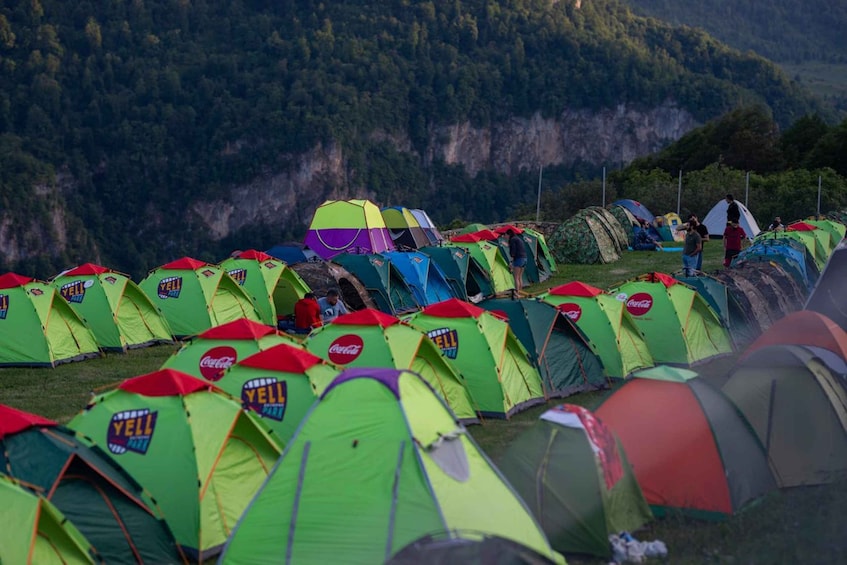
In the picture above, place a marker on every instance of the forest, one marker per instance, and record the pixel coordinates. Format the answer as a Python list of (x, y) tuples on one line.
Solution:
[(120, 114)]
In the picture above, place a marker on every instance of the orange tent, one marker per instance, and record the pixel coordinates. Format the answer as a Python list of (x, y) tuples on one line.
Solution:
[(690, 448), (804, 327)]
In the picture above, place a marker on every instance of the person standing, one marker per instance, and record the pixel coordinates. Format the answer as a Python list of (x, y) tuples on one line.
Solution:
[(517, 252), (704, 237), (331, 307), (733, 212), (691, 250), (733, 236)]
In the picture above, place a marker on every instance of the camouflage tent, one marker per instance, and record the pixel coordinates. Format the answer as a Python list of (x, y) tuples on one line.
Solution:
[(322, 276), (592, 235), (625, 218)]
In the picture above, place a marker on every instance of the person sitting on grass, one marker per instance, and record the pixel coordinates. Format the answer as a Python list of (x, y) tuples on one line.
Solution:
[(644, 241)]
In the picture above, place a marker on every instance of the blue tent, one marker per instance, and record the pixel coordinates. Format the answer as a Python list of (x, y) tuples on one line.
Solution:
[(638, 209), (293, 253), (423, 275), (792, 255)]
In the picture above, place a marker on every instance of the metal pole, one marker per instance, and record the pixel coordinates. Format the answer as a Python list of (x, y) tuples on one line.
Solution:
[(819, 198), (538, 205), (604, 187), (679, 194), (747, 190)]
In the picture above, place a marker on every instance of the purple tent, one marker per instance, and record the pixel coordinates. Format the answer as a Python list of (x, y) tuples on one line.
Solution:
[(348, 226)]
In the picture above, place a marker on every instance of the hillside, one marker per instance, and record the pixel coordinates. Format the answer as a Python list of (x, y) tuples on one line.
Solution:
[(135, 132)]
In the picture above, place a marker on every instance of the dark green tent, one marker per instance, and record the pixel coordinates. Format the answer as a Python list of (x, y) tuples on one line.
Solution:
[(102, 501), (574, 476), (383, 281), (465, 275), (558, 349)]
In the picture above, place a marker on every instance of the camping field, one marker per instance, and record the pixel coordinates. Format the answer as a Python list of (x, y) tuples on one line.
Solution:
[(803, 525)]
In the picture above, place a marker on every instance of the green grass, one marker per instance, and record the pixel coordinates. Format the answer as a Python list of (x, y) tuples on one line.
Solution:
[(801, 525)]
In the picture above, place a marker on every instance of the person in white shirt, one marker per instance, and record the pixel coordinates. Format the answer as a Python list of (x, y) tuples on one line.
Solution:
[(331, 306)]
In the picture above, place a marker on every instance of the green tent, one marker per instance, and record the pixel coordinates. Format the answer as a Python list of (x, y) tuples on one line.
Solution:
[(378, 463), (272, 285), (405, 230), (488, 254), (384, 282), (574, 475), (836, 229), (558, 349), (496, 367), (678, 324), (468, 279), (213, 351), (34, 532), (609, 328), (38, 328), (279, 384), (95, 494), (474, 227), (196, 296), (544, 257), (119, 314), (797, 404), (812, 244), (370, 338), (191, 446)]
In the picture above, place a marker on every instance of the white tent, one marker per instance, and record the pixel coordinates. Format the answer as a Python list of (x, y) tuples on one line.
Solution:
[(715, 220)]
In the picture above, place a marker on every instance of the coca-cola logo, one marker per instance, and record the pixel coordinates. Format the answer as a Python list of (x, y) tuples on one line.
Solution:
[(571, 310), (214, 362), (345, 349), (639, 303)]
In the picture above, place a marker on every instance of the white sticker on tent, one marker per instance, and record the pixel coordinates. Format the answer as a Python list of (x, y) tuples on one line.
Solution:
[(621, 297), (567, 419)]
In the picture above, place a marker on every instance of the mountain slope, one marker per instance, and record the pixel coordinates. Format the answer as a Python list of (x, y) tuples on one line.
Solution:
[(160, 115)]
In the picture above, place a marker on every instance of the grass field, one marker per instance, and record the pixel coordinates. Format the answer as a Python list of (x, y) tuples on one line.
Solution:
[(804, 525)]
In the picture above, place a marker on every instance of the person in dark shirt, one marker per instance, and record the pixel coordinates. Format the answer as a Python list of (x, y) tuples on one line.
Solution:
[(776, 225), (644, 241), (733, 212), (307, 313), (733, 236), (517, 252), (690, 252), (704, 237)]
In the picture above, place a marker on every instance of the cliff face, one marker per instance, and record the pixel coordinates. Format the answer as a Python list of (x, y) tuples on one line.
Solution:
[(615, 135)]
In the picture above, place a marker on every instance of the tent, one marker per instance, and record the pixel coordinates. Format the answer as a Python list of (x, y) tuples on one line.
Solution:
[(495, 366), (836, 229), (473, 228), (734, 309), (673, 222), (636, 208), (191, 446), (38, 328), (195, 296), (715, 220), (827, 297), (678, 324), (624, 217), (279, 384), (798, 408), (690, 448), (119, 314), (34, 532), (378, 463), (292, 252), (322, 276), (804, 327), (465, 547), (555, 345), (589, 237), (426, 279), (468, 279), (95, 494), (369, 338), (538, 267), (348, 226), (822, 237), (487, 253), (814, 246), (386, 285), (608, 326), (572, 472), (544, 257), (404, 228), (208, 354), (272, 285), (776, 290), (428, 226), (790, 254)]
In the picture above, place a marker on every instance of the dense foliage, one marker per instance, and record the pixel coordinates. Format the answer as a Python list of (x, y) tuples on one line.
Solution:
[(142, 107), (781, 30)]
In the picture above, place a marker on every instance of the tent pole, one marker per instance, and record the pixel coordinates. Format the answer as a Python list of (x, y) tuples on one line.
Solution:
[(747, 189), (679, 193), (604, 187), (818, 215), (538, 204)]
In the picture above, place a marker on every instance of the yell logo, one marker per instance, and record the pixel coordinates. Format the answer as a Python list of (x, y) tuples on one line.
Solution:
[(74, 291), (266, 396), (240, 275), (131, 430), (169, 287), (447, 340)]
